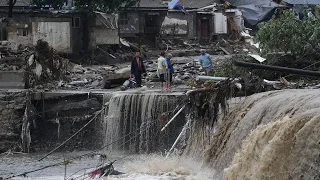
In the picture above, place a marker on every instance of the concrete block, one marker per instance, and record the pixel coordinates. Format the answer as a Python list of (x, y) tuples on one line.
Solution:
[(12, 80)]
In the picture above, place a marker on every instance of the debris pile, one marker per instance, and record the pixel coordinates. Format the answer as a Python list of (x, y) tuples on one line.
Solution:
[(180, 47), (44, 65)]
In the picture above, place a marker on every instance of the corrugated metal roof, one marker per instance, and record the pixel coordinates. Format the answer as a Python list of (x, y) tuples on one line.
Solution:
[(108, 20), (19, 3)]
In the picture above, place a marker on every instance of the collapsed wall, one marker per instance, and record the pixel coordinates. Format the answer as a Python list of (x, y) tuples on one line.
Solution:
[(12, 107), (42, 124), (63, 115), (271, 135)]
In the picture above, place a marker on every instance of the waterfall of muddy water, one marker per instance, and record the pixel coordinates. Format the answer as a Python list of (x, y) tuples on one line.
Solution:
[(138, 119), (271, 135)]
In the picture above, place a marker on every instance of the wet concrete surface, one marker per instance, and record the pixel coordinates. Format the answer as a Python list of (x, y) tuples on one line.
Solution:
[(155, 89)]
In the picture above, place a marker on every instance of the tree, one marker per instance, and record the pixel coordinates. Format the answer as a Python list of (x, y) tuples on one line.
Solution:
[(290, 35), (108, 6), (11, 3)]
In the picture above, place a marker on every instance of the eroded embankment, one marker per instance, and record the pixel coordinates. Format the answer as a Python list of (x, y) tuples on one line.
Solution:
[(272, 135)]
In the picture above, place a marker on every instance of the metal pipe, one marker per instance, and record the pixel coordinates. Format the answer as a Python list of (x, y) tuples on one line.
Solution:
[(176, 141), (203, 78), (173, 117), (277, 68)]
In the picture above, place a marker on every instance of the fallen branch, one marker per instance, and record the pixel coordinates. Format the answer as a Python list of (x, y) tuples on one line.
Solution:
[(225, 51), (106, 53), (72, 135)]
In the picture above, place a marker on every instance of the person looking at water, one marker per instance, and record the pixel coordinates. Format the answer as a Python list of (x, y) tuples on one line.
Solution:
[(205, 62), (171, 70), (137, 68), (162, 69)]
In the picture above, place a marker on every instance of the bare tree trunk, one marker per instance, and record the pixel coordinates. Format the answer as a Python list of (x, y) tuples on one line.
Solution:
[(11, 3)]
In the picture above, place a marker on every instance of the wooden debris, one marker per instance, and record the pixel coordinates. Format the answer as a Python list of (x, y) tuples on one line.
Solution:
[(225, 51)]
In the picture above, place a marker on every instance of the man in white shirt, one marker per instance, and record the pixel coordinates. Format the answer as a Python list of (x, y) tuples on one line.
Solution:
[(162, 68)]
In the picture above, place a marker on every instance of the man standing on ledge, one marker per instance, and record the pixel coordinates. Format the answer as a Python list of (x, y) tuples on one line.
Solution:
[(205, 62), (137, 68), (162, 69)]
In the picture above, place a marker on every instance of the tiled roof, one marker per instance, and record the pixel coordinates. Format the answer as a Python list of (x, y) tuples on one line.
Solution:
[(151, 4), (20, 3), (198, 3), (186, 3)]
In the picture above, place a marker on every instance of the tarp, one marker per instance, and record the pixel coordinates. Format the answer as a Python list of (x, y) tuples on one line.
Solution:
[(173, 3), (303, 2), (255, 11), (178, 7)]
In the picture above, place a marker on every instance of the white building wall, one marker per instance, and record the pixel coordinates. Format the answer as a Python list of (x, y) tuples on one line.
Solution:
[(220, 24), (106, 36), (57, 34)]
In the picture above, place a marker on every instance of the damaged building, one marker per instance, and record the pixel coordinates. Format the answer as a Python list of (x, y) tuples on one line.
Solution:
[(146, 23), (64, 31), (149, 21)]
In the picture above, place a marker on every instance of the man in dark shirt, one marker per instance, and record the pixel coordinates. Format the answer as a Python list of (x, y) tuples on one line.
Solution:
[(137, 68)]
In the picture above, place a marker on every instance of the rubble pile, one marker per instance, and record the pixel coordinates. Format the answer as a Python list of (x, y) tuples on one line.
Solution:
[(179, 47), (45, 69), (44, 65), (9, 60), (185, 68), (12, 64), (86, 77)]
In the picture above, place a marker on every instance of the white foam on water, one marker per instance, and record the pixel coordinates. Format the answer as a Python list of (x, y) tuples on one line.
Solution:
[(173, 167)]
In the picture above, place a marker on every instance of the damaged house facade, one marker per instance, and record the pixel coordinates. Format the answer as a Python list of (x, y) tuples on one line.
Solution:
[(65, 31), (149, 21)]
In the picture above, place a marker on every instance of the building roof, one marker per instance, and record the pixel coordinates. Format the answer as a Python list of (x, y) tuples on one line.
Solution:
[(151, 4), (19, 3), (198, 3), (163, 4)]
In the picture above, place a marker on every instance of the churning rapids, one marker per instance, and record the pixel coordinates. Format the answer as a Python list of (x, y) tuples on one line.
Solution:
[(273, 135)]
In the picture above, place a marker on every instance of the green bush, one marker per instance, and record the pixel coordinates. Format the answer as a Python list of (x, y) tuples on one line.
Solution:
[(289, 34)]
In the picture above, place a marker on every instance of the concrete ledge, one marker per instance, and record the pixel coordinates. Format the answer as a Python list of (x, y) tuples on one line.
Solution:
[(62, 93)]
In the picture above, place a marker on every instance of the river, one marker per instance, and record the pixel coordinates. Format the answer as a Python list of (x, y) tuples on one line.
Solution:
[(271, 135)]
